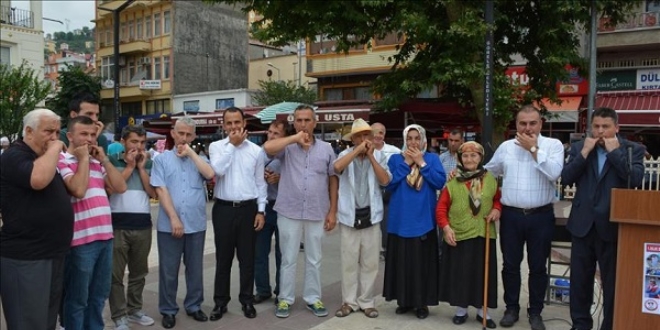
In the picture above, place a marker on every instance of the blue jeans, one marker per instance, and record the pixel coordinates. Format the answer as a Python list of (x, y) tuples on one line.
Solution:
[(87, 277), (262, 253), (170, 252)]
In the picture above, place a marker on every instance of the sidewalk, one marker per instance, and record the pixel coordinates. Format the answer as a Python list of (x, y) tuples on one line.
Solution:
[(556, 316)]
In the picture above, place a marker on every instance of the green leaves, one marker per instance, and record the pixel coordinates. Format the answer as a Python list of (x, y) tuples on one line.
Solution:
[(273, 92), (21, 90), (72, 81)]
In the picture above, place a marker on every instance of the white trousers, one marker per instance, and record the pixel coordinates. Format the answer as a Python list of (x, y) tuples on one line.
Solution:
[(290, 234), (360, 253)]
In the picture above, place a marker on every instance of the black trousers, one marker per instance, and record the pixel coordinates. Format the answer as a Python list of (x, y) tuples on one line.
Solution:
[(234, 234), (585, 252), (31, 292)]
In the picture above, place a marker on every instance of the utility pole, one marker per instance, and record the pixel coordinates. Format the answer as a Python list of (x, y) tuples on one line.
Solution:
[(487, 125)]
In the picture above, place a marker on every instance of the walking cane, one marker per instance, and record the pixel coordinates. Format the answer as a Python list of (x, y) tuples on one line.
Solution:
[(485, 305)]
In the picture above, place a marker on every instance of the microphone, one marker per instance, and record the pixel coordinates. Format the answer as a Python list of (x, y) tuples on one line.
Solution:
[(630, 163)]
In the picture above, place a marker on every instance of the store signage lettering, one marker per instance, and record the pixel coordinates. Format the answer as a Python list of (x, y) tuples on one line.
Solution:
[(648, 79), (336, 117), (616, 80)]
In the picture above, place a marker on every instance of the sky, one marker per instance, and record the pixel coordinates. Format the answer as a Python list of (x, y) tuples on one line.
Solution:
[(78, 12)]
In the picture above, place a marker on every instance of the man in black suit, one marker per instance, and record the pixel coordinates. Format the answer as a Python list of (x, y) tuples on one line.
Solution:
[(596, 165)]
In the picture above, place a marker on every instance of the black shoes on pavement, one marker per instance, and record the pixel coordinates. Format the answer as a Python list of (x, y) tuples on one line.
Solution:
[(217, 312), (169, 321)]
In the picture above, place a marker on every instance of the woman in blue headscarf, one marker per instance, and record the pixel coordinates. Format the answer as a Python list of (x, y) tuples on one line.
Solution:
[(411, 268)]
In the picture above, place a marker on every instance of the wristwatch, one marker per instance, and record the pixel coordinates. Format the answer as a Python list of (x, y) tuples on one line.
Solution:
[(262, 213), (533, 149)]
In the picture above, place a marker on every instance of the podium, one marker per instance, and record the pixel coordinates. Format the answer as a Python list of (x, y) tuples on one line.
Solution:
[(638, 216)]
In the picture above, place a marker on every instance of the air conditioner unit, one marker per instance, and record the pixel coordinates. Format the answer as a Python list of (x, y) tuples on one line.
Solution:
[(145, 61)]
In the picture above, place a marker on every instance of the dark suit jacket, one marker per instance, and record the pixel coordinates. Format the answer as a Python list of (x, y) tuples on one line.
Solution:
[(591, 205)]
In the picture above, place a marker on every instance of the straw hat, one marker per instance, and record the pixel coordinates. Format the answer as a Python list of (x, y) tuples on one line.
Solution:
[(359, 125)]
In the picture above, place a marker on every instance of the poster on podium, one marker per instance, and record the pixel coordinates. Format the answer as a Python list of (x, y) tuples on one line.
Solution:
[(651, 295)]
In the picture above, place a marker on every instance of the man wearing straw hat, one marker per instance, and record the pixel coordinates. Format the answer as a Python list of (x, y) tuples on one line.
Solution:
[(362, 171)]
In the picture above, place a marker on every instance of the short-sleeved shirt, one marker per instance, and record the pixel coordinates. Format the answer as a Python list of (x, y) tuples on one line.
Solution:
[(37, 224), (187, 189), (131, 210), (303, 188), (101, 140)]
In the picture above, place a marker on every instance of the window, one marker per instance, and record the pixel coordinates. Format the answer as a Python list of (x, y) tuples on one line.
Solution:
[(131, 108), (166, 67), (108, 37), (157, 68), (221, 104), (107, 67), (147, 27), (131, 69), (166, 22), (333, 94), (123, 35), (131, 30), (191, 105), (158, 106), (123, 77), (652, 6), (157, 26), (5, 54), (139, 35)]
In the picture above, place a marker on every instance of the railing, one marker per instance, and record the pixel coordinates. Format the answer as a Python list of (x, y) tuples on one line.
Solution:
[(17, 17), (651, 180), (637, 21)]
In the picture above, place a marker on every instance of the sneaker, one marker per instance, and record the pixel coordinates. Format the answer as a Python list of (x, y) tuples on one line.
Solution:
[(141, 318), (121, 324), (318, 309), (536, 321), (510, 317), (282, 309)]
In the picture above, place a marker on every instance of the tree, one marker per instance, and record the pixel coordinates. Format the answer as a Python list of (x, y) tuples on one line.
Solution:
[(443, 42), (273, 92), (21, 89), (71, 82)]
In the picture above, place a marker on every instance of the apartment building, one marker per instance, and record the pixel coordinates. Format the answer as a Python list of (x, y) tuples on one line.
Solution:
[(62, 60), (22, 35), (169, 48)]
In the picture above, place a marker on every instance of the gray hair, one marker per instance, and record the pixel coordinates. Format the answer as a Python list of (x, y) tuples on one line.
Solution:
[(305, 107), (186, 120), (34, 117)]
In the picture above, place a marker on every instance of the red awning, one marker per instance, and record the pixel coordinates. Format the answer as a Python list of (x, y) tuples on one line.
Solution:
[(635, 108)]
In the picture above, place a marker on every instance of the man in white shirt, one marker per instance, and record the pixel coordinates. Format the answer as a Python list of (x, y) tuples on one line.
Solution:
[(362, 172), (530, 165), (388, 150), (238, 211)]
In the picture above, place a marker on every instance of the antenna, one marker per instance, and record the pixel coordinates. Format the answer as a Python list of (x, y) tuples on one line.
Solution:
[(67, 24)]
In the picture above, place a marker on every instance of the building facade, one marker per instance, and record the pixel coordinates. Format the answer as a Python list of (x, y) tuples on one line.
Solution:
[(169, 48), (22, 36)]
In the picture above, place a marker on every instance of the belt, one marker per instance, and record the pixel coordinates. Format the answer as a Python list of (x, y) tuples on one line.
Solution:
[(244, 203), (533, 210)]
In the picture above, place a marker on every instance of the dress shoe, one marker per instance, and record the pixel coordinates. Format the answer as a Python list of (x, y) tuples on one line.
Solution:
[(169, 321), (198, 316), (402, 310), (459, 319), (510, 317), (490, 324), (217, 312), (422, 312), (536, 322), (249, 311), (258, 299)]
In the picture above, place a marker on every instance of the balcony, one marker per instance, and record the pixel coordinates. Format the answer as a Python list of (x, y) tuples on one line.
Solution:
[(340, 64), (17, 17), (640, 32), (126, 46), (125, 91)]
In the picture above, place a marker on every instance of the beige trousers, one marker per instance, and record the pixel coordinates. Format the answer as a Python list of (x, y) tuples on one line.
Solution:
[(360, 251)]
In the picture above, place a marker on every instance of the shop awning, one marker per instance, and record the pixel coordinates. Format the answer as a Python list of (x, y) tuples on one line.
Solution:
[(269, 113), (564, 112), (635, 108)]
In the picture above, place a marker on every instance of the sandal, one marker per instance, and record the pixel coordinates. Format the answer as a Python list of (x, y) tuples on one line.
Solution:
[(344, 310), (370, 313)]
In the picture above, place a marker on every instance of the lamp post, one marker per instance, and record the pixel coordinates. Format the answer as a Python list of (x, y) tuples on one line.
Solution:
[(294, 72), (115, 19), (276, 68)]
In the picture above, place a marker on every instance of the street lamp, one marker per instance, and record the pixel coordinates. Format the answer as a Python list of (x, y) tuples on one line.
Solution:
[(276, 68)]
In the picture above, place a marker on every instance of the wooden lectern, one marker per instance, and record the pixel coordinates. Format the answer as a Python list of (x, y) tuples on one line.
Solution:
[(638, 214)]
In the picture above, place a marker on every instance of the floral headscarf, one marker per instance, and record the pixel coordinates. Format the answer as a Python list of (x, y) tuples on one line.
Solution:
[(475, 177), (415, 179)]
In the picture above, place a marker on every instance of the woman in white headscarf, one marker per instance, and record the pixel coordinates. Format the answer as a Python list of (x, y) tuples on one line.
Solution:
[(411, 268)]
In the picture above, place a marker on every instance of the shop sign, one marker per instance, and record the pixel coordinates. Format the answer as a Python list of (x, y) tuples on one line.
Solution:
[(616, 80), (149, 84), (340, 116), (648, 79)]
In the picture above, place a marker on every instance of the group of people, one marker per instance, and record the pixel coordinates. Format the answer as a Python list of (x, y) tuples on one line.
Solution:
[(75, 218)]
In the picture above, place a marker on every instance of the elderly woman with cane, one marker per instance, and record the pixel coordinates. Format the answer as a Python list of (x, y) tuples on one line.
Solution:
[(411, 262), (466, 211)]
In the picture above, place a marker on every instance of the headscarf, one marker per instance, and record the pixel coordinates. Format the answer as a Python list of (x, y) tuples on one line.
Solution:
[(475, 177), (414, 178)]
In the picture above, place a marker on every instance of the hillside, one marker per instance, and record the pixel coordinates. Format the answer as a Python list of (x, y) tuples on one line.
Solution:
[(75, 41)]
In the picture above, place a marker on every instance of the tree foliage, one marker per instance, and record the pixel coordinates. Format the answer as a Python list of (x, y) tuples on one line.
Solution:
[(273, 92), (443, 41), (73, 81), (76, 42), (21, 89)]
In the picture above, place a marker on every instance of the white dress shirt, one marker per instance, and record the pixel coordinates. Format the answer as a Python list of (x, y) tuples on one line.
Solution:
[(528, 183), (239, 172)]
